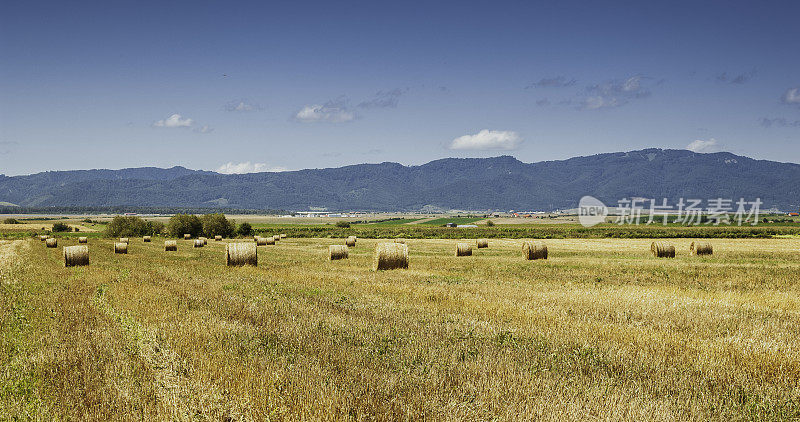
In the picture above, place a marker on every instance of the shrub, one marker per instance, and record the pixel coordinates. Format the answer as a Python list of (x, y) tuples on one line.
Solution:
[(10, 221), (245, 229), (489, 223), (217, 224), (61, 227), (181, 224), (343, 224), (131, 226)]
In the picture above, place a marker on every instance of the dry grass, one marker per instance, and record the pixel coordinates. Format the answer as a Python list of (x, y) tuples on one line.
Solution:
[(600, 330)]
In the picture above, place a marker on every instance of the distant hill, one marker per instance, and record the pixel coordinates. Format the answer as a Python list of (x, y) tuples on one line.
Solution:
[(498, 183)]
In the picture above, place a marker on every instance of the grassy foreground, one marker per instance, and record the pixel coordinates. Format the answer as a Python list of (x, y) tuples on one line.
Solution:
[(601, 330)]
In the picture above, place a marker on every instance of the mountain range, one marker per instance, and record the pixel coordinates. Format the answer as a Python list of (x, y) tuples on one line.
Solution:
[(498, 183)]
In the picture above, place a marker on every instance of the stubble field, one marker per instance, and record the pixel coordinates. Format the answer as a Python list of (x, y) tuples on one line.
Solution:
[(600, 330)]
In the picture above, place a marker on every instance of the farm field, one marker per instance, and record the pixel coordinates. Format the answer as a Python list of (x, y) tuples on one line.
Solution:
[(600, 330)]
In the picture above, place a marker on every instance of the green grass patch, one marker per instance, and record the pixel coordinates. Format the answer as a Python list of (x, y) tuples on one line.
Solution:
[(456, 220)]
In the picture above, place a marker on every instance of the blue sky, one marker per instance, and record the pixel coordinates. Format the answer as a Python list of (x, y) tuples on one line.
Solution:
[(240, 86)]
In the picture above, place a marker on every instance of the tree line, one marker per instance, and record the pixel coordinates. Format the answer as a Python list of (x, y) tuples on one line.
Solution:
[(209, 225)]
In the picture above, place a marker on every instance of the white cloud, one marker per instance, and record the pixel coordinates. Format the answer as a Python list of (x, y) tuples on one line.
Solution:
[(384, 99), (615, 93), (246, 167), (242, 106), (699, 145), (792, 96), (174, 121), (334, 111), (487, 140)]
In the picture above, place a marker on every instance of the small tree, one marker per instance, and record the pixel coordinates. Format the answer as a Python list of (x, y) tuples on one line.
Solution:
[(217, 224), (489, 223), (181, 224), (244, 229), (61, 227), (124, 226), (10, 221), (343, 224)]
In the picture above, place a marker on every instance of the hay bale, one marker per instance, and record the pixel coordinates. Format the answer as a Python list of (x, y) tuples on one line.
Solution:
[(262, 241), (276, 238), (701, 248), (204, 240), (482, 243), (198, 243), (170, 245), (83, 240), (76, 256), (239, 254), (350, 241), (187, 236), (662, 250), (43, 237), (124, 240), (120, 247), (534, 250), (389, 256), (217, 238), (147, 239), (51, 242), (463, 249), (400, 240), (283, 235), (338, 252)]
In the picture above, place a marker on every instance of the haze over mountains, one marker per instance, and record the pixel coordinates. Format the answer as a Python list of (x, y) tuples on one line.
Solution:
[(499, 183)]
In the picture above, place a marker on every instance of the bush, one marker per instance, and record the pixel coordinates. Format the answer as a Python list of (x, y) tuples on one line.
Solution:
[(245, 229), (181, 224), (61, 227), (131, 226), (10, 221), (489, 223), (343, 224), (217, 224)]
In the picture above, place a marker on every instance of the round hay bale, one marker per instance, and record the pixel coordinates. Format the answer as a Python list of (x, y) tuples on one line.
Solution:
[(463, 249), (42, 237), (198, 243), (83, 240), (205, 240), (701, 248), (170, 245), (389, 256), (217, 238), (187, 236), (238, 254), (338, 252), (262, 241), (51, 242), (283, 235), (482, 243), (147, 239), (76, 256), (662, 250), (120, 247), (124, 240), (350, 241), (534, 250), (400, 240), (276, 238)]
